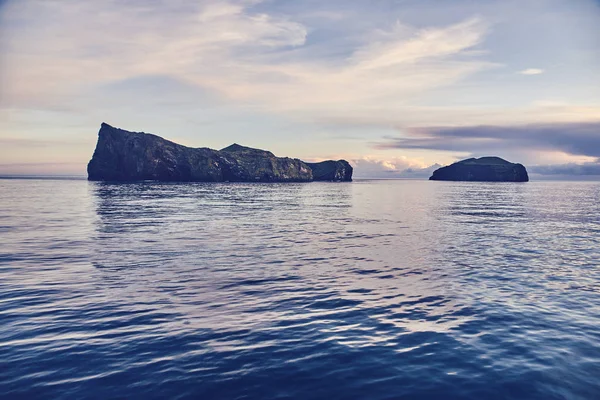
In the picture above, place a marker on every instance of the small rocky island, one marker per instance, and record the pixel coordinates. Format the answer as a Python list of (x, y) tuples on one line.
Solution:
[(122, 156), (484, 169)]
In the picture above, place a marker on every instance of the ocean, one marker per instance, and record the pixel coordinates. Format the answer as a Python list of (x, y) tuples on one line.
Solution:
[(375, 289)]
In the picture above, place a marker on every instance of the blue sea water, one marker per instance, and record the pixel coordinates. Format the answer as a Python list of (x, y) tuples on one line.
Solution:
[(363, 290)]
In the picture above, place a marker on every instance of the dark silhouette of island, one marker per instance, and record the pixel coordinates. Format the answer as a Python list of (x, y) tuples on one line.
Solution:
[(125, 156), (484, 169)]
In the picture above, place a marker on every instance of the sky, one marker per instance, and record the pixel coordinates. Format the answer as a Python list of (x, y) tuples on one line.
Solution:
[(397, 87)]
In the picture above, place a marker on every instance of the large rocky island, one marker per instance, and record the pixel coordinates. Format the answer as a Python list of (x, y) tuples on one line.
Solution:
[(484, 169), (121, 155)]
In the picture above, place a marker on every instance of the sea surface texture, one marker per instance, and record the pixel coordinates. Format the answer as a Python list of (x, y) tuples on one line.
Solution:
[(363, 290)]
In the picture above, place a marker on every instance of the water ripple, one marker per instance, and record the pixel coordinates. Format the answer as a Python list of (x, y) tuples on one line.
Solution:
[(375, 289)]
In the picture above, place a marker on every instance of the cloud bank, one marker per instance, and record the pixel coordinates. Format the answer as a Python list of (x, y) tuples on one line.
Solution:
[(581, 139), (570, 169), (396, 168)]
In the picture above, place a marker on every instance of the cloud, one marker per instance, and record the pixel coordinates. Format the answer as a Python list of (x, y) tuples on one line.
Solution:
[(421, 45), (387, 70), (581, 139), (393, 168), (419, 173), (245, 56), (96, 43), (569, 169), (531, 71)]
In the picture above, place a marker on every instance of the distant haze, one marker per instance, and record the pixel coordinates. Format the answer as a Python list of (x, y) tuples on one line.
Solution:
[(396, 88)]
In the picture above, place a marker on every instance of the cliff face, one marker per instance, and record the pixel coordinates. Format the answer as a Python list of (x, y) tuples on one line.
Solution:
[(331, 170), (484, 169), (129, 156), (121, 155)]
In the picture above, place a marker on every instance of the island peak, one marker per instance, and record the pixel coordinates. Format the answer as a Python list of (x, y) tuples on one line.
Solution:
[(240, 150), (488, 160), (237, 147)]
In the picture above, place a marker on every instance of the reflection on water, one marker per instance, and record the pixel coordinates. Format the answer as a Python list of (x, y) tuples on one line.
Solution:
[(371, 289)]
